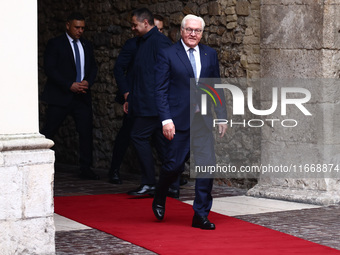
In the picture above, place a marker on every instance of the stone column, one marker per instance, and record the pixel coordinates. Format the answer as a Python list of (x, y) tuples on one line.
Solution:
[(26, 162), (300, 45)]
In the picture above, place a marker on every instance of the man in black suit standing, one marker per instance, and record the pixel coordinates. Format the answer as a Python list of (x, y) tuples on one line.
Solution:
[(123, 75), (71, 69), (141, 99), (185, 127)]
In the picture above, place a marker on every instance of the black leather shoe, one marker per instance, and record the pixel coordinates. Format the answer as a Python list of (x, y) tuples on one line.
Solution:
[(158, 210), (114, 177), (202, 223), (174, 193), (88, 175), (143, 190)]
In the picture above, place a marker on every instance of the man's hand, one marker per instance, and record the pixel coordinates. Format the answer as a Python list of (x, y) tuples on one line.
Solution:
[(80, 87), (169, 131), (222, 128), (126, 107), (85, 84), (126, 95)]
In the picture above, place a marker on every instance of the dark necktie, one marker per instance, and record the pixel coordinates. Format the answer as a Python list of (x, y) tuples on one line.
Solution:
[(76, 51), (192, 61)]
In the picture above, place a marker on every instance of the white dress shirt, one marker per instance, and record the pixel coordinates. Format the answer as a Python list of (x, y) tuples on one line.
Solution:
[(81, 53), (196, 53)]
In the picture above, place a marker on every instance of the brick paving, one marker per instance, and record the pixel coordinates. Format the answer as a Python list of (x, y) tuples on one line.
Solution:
[(319, 225), (94, 242)]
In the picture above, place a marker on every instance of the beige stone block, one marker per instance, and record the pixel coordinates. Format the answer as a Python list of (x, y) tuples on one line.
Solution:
[(253, 74), (331, 25), (292, 26), (231, 2), (254, 59), (249, 31), (291, 2), (251, 39), (316, 87), (190, 8), (331, 63), (214, 8), (254, 67), (244, 61), (319, 197), (239, 38), (326, 90), (252, 49), (30, 236), (294, 127), (38, 190), (285, 160), (255, 5), (256, 14), (242, 8), (203, 9), (173, 6), (252, 22), (231, 18), (28, 157), (11, 193), (221, 30), (176, 18), (231, 25), (230, 11), (223, 20), (213, 29), (291, 63), (331, 126), (331, 2)]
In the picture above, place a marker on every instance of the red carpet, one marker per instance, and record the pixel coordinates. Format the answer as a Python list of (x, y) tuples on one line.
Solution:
[(132, 219)]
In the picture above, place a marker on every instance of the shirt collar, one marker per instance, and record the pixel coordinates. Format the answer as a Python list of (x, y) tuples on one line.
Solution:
[(70, 38), (187, 48)]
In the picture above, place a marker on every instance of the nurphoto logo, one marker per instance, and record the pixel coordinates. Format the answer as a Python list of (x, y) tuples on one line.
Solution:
[(284, 96)]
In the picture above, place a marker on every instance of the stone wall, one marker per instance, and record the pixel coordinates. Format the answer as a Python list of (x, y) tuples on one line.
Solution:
[(232, 28), (26, 201), (300, 48)]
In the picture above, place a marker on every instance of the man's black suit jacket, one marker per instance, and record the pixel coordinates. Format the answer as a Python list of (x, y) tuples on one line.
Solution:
[(60, 68)]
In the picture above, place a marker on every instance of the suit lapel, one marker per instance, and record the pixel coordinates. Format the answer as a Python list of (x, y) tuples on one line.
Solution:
[(85, 53), (68, 46), (182, 55), (204, 60), (186, 62)]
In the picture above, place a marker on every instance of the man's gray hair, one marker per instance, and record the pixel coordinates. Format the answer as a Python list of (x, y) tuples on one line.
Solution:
[(192, 17)]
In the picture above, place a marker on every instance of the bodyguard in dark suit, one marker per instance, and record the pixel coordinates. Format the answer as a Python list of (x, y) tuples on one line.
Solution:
[(184, 126), (71, 69)]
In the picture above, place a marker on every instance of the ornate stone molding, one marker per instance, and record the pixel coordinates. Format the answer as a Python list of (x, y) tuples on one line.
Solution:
[(24, 142)]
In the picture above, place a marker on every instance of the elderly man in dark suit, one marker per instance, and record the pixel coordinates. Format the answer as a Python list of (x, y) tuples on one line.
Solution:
[(184, 126), (71, 70)]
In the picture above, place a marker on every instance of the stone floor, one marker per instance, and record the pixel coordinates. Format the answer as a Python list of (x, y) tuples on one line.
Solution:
[(314, 223)]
